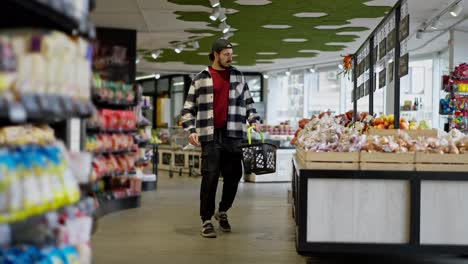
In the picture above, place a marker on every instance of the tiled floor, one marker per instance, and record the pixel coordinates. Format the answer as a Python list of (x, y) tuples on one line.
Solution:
[(166, 230)]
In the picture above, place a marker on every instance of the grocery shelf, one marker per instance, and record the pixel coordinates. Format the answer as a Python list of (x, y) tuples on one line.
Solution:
[(142, 142), (115, 205), (96, 130), (149, 186), (43, 109), (113, 152), (118, 174), (110, 105), (33, 13), (142, 162)]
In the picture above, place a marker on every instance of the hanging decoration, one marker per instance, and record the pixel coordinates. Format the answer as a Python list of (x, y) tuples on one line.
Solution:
[(347, 65)]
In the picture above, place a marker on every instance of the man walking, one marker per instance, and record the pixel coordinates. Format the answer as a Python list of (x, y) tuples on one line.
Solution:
[(215, 113)]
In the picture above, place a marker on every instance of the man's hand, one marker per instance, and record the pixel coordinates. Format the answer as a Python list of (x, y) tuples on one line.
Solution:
[(254, 125), (193, 139)]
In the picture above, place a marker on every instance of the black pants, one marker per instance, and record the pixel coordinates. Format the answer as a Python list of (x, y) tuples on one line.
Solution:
[(222, 155)]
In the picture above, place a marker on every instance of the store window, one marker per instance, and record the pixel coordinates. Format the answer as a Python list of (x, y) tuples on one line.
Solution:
[(285, 98), (416, 91), (324, 94), (163, 103), (177, 98), (254, 81)]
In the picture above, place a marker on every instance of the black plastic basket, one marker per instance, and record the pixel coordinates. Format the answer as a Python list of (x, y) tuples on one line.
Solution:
[(258, 158)]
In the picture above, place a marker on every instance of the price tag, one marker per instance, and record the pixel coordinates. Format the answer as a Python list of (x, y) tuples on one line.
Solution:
[(17, 113), (5, 235), (56, 106), (52, 219), (67, 105)]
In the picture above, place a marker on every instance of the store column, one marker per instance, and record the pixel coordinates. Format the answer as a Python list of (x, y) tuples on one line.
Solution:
[(458, 48)]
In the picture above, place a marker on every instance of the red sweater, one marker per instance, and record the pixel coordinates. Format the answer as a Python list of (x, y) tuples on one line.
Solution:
[(221, 82)]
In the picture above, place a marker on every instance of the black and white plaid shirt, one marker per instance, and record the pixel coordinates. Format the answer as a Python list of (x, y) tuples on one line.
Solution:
[(197, 115)]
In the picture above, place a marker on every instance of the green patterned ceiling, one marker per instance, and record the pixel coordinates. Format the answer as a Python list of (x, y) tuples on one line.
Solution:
[(252, 37)]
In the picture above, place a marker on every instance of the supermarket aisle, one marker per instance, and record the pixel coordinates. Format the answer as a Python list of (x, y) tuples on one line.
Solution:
[(166, 228)]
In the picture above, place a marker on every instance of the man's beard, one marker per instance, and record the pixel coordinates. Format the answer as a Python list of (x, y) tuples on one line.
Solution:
[(225, 65)]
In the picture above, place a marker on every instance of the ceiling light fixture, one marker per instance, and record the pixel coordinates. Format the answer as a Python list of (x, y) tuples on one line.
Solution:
[(222, 15), (456, 9), (340, 66), (419, 34), (195, 44), (288, 72), (228, 35), (312, 70), (157, 76), (265, 76), (214, 3), (137, 60), (155, 54), (224, 27), (214, 14), (179, 48), (436, 24)]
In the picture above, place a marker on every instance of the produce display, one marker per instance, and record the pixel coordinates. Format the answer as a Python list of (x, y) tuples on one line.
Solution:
[(387, 122), (327, 134), (284, 128), (455, 102)]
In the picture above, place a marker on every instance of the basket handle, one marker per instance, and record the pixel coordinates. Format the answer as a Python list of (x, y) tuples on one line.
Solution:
[(249, 134)]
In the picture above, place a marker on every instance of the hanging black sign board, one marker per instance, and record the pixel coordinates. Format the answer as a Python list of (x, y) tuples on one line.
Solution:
[(404, 28), (366, 88), (366, 63), (391, 40), (390, 72), (374, 55), (382, 78), (361, 91), (404, 65), (382, 48)]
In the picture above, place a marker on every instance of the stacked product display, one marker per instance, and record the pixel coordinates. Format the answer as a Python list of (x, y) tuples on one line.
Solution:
[(111, 136), (42, 218), (455, 104), (44, 74), (45, 77)]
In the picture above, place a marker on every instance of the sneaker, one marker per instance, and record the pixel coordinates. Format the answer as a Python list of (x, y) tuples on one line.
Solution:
[(224, 225), (208, 230)]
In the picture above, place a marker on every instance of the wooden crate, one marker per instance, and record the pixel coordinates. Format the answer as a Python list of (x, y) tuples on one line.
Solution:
[(376, 166), (387, 161), (441, 158), (386, 157), (441, 167), (441, 162), (329, 160), (328, 156), (412, 133)]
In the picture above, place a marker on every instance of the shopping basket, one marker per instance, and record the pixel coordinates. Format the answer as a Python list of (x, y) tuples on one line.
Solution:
[(258, 158)]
